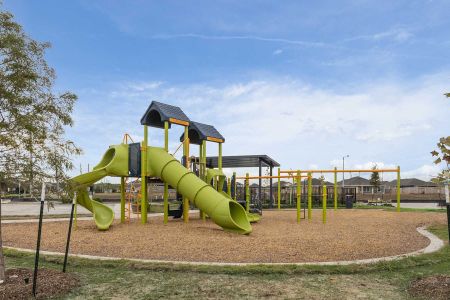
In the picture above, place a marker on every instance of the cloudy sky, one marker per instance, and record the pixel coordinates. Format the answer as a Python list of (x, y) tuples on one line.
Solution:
[(303, 82)]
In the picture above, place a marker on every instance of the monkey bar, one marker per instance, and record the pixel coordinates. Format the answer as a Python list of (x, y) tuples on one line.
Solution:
[(335, 171)]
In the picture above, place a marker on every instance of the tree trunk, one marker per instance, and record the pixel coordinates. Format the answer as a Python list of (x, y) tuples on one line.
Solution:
[(2, 259)]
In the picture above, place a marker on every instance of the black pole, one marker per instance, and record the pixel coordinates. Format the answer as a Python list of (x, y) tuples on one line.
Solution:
[(68, 237), (36, 258)]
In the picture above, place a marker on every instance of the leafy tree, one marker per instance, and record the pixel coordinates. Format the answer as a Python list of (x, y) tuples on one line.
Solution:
[(322, 179), (375, 179), (442, 156), (32, 116)]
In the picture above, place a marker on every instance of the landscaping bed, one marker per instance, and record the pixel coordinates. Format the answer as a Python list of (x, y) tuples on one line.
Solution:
[(347, 235)]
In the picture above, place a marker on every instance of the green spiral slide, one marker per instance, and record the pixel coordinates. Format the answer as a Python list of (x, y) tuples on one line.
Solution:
[(228, 214), (113, 163)]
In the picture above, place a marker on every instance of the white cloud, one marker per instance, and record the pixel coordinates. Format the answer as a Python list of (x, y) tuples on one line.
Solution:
[(245, 37), (424, 172), (395, 34), (297, 124), (277, 52)]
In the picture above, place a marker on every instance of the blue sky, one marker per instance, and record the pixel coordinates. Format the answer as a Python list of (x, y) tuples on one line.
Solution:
[(304, 82)]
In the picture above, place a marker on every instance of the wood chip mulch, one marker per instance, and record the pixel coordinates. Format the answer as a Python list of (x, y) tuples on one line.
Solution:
[(50, 283), (432, 287), (347, 235)]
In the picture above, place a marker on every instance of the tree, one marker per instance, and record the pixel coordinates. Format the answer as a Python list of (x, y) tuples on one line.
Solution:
[(375, 179), (32, 116), (442, 156)]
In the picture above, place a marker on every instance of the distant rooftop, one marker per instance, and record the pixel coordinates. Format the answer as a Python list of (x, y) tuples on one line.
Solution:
[(157, 113), (199, 132)]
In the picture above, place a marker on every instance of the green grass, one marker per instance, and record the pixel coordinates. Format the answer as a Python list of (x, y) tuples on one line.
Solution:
[(131, 280)]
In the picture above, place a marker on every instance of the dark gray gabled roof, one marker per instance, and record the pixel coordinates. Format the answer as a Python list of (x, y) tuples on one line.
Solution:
[(410, 182), (242, 161), (157, 113), (199, 132), (357, 180)]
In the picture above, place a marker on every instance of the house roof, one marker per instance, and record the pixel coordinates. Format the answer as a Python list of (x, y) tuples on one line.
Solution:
[(157, 113), (409, 182), (355, 181), (199, 132)]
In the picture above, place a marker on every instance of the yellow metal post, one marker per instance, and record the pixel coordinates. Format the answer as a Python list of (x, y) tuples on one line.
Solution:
[(335, 189), (324, 204), (309, 196), (279, 190), (299, 199), (144, 176), (247, 193), (186, 155), (398, 188), (122, 199)]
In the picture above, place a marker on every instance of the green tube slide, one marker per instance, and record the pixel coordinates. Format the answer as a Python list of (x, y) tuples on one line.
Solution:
[(228, 214), (113, 163)]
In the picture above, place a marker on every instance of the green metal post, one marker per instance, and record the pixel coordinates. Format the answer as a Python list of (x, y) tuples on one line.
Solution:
[(279, 190), (219, 159), (247, 193), (200, 170), (335, 188), (122, 199), (235, 185), (166, 185), (324, 204), (309, 196), (75, 214), (186, 155), (203, 215), (144, 177), (398, 188), (204, 159), (299, 199), (229, 187)]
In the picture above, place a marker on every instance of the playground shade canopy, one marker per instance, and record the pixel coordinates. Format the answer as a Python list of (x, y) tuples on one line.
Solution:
[(199, 132), (242, 161), (158, 113)]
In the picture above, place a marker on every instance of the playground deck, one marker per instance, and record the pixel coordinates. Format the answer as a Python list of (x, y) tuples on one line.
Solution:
[(348, 235)]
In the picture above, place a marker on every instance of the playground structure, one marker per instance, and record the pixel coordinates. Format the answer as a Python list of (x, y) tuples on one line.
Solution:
[(199, 180), (140, 160)]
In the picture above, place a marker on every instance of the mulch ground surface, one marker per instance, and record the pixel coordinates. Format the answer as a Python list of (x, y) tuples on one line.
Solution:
[(347, 235), (433, 287), (50, 283)]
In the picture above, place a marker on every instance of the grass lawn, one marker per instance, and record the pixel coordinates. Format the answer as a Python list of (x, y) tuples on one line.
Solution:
[(130, 280)]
